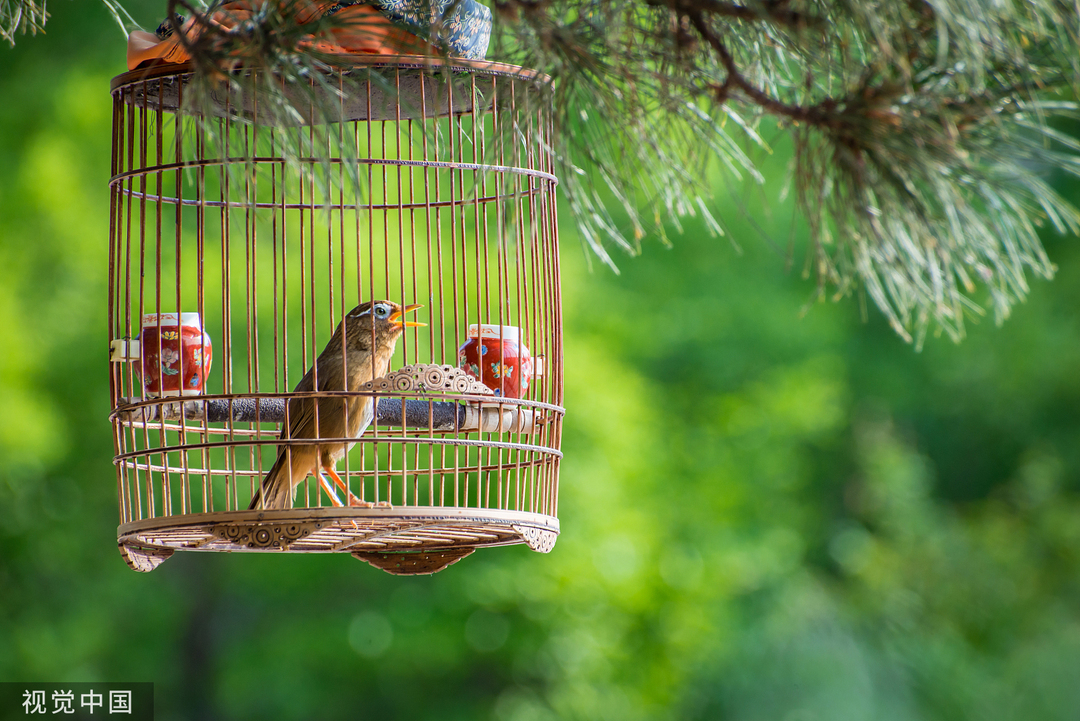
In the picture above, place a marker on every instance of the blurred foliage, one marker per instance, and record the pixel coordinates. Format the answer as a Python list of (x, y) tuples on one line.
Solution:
[(766, 515)]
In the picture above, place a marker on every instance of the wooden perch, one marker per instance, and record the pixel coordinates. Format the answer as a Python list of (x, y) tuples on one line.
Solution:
[(439, 416)]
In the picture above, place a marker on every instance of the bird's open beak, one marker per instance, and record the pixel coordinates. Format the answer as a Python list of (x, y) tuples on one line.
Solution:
[(396, 317)]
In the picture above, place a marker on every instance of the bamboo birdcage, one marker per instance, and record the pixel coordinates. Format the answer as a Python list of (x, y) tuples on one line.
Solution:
[(209, 217)]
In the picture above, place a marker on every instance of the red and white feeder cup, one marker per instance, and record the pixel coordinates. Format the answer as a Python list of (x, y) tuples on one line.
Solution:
[(173, 354), (495, 356)]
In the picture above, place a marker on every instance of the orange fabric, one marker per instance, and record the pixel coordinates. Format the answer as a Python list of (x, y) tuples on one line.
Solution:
[(363, 30), (366, 30)]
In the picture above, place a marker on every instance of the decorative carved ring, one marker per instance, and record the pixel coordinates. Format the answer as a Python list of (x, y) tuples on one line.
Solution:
[(269, 536), (428, 378)]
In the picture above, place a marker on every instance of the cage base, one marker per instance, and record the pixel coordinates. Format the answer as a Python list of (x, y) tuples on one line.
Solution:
[(403, 541)]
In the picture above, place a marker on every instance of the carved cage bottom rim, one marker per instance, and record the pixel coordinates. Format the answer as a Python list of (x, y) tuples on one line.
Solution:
[(381, 535)]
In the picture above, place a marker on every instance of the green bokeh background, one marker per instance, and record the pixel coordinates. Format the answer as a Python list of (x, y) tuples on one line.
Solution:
[(770, 511)]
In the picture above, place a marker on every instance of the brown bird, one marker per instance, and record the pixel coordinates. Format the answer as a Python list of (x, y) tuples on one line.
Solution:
[(369, 333)]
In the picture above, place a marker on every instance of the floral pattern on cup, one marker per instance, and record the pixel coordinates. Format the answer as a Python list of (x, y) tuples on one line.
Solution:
[(502, 370), (169, 357)]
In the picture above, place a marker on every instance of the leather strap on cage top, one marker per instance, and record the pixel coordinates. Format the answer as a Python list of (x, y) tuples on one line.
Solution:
[(359, 28)]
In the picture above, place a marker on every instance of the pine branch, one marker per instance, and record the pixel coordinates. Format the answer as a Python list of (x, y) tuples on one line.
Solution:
[(915, 165), (735, 79), (20, 16), (774, 11), (922, 130)]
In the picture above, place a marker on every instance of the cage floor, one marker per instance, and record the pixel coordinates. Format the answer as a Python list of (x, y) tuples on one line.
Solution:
[(407, 540)]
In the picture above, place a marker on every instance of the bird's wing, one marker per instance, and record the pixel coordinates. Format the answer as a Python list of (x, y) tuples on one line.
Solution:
[(361, 413), (301, 410), (361, 408)]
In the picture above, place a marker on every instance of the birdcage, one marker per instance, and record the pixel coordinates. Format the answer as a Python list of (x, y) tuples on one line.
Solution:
[(237, 247)]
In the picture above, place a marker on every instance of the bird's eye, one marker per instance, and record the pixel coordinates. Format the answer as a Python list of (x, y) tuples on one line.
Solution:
[(382, 311)]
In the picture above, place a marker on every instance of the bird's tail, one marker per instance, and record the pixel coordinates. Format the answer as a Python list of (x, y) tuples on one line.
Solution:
[(276, 489)]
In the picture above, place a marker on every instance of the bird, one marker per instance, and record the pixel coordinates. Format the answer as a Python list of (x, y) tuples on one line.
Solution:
[(359, 351)]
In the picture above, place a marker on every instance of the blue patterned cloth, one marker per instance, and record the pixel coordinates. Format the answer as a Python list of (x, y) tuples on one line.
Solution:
[(465, 33)]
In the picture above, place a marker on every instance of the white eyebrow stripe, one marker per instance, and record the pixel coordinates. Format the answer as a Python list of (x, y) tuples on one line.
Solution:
[(363, 312)]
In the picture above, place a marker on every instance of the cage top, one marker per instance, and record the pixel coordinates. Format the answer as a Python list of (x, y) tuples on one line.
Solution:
[(350, 61), (419, 88)]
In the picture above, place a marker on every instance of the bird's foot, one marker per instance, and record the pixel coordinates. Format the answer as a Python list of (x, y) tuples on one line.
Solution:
[(330, 492), (357, 503)]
